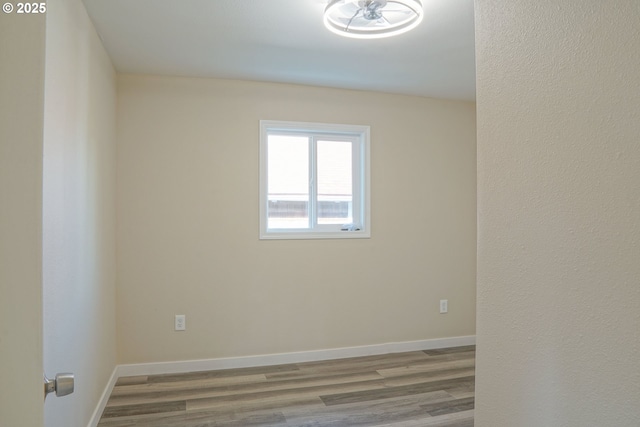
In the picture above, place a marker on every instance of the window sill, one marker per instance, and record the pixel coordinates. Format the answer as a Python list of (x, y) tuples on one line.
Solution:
[(294, 235)]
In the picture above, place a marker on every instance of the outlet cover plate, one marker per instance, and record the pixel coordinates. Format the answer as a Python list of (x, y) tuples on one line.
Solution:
[(180, 322), (444, 306)]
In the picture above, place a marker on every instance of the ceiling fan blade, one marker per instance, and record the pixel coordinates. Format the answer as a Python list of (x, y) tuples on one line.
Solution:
[(352, 18)]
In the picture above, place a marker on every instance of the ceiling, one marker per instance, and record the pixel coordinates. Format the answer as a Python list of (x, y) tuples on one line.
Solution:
[(285, 41)]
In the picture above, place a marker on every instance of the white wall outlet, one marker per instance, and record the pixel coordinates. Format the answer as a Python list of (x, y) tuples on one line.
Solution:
[(444, 306), (180, 322)]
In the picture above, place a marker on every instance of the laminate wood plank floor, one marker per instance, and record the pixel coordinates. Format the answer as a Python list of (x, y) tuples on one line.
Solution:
[(431, 388)]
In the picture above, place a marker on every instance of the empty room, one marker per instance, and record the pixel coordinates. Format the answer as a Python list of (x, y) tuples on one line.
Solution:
[(320, 213)]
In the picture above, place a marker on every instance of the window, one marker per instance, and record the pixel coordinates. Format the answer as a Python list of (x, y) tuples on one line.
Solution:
[(314, 180)]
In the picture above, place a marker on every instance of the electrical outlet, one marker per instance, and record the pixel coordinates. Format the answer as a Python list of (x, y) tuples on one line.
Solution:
[(444, 306), (180, 322)]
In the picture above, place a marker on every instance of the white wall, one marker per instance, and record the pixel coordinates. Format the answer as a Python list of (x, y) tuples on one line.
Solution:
[(559, 213), (78, 212), (188, 154), (22, 46)]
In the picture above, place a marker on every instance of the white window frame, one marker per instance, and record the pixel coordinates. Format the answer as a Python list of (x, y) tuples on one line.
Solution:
[(360, 136)]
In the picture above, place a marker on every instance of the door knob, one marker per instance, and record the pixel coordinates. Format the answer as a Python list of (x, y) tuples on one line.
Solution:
[(62, 384)]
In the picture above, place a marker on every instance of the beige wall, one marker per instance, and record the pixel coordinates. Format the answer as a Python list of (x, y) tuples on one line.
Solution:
[(22, 47), (78, 212), (559, 213), (188, 224)]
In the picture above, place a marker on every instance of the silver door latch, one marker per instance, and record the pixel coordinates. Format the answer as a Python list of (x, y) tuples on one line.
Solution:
[(62, 384)]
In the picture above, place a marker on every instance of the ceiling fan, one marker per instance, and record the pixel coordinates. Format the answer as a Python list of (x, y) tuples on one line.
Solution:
[(372, 18)]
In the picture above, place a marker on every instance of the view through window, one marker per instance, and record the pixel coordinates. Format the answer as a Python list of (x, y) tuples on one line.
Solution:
[(314, 179)]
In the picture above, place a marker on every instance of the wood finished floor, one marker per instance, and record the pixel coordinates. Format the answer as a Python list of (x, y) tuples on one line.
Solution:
[(431, 388)]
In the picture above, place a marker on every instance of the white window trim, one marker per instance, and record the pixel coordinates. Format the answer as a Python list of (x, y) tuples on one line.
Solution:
[(361, 132)]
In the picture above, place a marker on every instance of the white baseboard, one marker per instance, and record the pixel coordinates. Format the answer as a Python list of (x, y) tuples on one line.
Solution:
[(102, 403), (270, 359), (283, 358)]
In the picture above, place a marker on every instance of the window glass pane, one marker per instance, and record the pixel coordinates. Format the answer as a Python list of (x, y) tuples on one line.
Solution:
[(314, 179), (335, 189), (288, 181)]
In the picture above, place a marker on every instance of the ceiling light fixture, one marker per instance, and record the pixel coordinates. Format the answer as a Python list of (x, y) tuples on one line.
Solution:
[(371, 19)]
